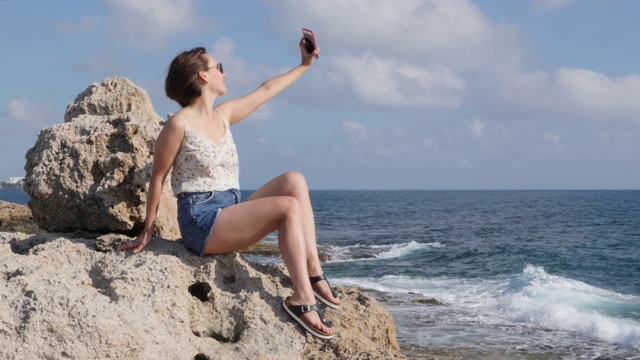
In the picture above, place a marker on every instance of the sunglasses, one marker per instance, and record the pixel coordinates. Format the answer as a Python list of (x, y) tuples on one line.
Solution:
[(217, 66)]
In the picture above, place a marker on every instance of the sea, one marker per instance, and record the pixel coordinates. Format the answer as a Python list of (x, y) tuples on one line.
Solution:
[(486, 274)]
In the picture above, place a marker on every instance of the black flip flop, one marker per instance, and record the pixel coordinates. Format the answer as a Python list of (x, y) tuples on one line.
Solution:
[(296, 313), (315, 279)]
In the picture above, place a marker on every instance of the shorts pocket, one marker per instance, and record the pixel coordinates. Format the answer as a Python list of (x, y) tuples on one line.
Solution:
[(204, 212), (201, 198), (237, 195)]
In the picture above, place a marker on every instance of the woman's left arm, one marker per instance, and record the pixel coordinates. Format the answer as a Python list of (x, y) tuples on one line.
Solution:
[(238, 109)]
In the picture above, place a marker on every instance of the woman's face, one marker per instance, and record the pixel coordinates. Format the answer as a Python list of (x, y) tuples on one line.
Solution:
[(214, 76)]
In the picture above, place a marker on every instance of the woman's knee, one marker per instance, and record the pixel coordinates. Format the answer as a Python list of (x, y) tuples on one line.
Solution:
[(295, 181)]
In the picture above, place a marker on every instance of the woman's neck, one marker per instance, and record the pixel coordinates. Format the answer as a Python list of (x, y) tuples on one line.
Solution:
[(203, 106)]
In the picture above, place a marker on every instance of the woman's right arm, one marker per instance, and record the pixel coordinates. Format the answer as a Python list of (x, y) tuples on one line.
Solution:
[(238, 109), (166, 149)]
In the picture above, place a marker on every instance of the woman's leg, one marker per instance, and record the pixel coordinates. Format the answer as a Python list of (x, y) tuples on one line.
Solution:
[(239, 226), (294, 184)]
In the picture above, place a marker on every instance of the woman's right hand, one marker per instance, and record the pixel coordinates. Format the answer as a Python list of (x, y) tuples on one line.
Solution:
[(307, 59), (139, 243)]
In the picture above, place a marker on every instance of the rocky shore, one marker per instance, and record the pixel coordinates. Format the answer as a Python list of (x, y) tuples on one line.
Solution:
[(24, 317), (68, 294), (74, 297)]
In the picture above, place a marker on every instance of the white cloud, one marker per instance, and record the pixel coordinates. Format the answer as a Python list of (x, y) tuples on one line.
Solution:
[(595, 94), (146, 25), (454, 33), (390, 82), (354, 131), (417, 53), (570, 91), (25, 112), (436, 53), (476, 126), (554, 139)]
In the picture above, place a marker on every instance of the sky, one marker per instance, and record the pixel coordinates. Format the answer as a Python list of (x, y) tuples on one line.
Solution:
[(412, 94)]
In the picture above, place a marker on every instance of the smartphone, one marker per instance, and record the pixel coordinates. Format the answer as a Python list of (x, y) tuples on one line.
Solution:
[(309, 41)]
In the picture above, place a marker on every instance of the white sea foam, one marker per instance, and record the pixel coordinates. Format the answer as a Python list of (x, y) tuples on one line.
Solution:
[(532, 299), (360, 252), (399, 250), (559, 303)]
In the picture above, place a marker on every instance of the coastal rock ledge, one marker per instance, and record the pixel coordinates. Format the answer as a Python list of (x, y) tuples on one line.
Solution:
[(75, 298)]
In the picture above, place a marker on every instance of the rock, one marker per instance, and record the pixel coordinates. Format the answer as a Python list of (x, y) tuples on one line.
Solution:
[(269, 248), (428, 301), (16, 217), (110, 242), (263, 248), (91, 173), (114, 96), (63, 299)]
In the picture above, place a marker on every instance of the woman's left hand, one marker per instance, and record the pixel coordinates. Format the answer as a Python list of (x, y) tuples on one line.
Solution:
[(138, 244), (307, 59)]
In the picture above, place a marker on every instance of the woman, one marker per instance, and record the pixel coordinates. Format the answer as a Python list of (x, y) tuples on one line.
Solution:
[(197, 143)]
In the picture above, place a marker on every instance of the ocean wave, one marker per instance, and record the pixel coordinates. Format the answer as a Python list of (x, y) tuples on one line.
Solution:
[(363, 252), (532, 298), (556, 302)]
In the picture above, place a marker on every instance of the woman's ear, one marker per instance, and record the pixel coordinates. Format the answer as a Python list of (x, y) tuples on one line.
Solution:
[(202, 75)]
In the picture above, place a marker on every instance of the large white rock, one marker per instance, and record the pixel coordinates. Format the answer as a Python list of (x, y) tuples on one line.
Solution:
[(92, 171)]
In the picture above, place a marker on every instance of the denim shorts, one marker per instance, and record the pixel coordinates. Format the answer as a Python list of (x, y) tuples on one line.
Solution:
[(197, 213)]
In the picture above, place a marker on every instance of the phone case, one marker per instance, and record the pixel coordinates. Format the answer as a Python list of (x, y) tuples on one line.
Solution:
[(311, 40)]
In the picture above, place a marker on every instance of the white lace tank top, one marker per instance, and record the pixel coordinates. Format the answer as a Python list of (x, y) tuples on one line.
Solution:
[(202, 165)]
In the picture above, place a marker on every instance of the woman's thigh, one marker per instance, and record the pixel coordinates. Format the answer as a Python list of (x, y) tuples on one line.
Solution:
[(286, 184), (242, 225)]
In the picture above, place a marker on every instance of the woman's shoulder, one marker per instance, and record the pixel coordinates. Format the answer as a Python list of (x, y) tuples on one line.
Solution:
[(176, 121), (175, 125)]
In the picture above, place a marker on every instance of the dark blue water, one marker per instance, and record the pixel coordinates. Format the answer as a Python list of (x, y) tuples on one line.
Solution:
[(523, 274), (14, 196), (591, 236)]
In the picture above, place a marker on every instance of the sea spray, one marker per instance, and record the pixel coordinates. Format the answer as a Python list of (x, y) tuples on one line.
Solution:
[(364, 252), (528, 303), (541, 299)]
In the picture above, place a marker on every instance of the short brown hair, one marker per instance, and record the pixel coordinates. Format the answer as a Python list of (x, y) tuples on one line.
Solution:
[(182, 83)]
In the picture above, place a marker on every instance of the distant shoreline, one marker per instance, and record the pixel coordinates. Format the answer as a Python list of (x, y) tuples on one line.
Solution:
[(11, 187)]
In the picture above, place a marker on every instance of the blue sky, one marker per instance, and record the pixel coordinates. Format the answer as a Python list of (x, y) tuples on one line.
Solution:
[(413, 94)]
